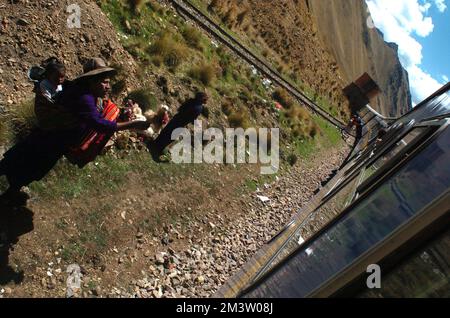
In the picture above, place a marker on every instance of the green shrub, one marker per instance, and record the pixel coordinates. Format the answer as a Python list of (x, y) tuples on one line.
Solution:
[(292, 159), (157, 60), (137, 48), (156, 7), (22, 119), (297, 113), (135, 5), (144, 98), (227, 108), (193, 37), (313, 130), (239, 119), (118, 87), (120, 83), (4, 130), (204, 73), (283, 97), (245, 95), (172, 52), (298, 131)]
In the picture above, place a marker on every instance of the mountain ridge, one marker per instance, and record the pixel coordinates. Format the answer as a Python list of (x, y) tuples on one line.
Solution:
[(359, 48)]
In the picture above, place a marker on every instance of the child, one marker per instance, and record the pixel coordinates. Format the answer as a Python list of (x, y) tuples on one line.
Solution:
[(54, 75), (50, 115)]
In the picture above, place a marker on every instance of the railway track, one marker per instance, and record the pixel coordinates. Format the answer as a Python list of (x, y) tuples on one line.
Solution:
[(193, 13)]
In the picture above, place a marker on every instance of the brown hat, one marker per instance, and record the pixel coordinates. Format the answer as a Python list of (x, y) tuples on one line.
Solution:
[(94, 67)]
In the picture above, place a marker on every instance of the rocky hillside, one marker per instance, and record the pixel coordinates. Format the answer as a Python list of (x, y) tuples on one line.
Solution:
[(344, 26), (32, 31), (284, 33), (322, 45)]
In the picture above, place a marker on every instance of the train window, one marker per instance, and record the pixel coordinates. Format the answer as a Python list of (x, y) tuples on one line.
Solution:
[(363, 156), (391, 134), (426, 273), (436, 106), (368, 222), (393, 151), (314, 222), (411, 141), (380, 147)]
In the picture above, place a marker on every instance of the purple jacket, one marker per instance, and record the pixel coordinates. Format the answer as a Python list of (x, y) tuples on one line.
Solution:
[(79, 101)]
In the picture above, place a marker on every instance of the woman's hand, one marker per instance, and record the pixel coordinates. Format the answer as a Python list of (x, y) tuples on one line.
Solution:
[(141, 125), (136, 124)]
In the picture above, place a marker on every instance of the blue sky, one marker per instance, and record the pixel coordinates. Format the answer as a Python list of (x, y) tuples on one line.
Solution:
[(436, 47), (421, 28)]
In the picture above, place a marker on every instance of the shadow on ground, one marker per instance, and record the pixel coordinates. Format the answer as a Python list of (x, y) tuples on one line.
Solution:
[(14, 222)]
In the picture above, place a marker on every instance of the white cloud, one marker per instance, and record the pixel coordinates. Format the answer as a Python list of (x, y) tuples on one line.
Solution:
[(422, 84), (425, 7), (445, 78), (440, 4), (399, 20)]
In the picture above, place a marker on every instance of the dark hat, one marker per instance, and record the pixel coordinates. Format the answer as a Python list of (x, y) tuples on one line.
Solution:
[(94, 67), (200, 95)]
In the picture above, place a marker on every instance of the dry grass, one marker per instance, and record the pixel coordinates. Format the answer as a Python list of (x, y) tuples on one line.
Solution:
[(4, 131), (22, 119), (314, 130), (245, 95), (239, 119), (214, 5), (120, 82), (136, 48), (300, 122), (171, 51), (135, 5), (241, 17), (144, 98), (283, 97), (156, 7), (229, 18), (298, 113), (204, 73), (227, 108), (193, 37), (292, 159), (157, 60)]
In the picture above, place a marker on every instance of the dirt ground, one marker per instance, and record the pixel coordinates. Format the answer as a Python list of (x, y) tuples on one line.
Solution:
[(134, 225)]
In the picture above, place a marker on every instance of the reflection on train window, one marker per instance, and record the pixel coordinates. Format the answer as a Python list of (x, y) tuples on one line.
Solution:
[(393, 151), (424, 274), (360, 159), (375, 147), (369, 222), (439, 105), (390, 135), (366, 116), (315, 221)]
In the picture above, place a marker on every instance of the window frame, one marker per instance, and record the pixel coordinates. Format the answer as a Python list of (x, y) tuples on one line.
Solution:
[(329, 287)]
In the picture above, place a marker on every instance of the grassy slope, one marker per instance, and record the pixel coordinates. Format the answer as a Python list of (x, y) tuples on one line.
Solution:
[(261, 50), (68, 182)]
